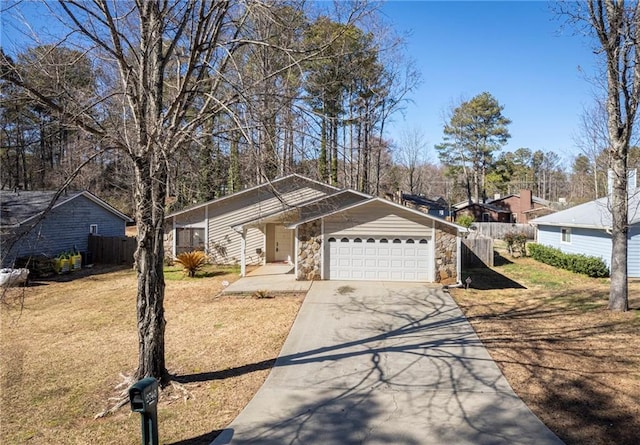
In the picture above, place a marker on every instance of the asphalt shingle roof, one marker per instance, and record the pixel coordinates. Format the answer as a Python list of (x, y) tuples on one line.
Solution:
[(16, 207), (593, 214)]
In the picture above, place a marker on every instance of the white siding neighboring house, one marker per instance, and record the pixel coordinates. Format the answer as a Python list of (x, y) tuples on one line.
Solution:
[(324, 232), (586, 229)]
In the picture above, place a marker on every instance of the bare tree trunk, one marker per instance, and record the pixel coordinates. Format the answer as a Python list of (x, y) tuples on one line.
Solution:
[(149, 267), (619, 212), (618, 32)]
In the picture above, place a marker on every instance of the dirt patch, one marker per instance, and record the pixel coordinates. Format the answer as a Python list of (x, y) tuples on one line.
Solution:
[(66, 350), (575, 364)]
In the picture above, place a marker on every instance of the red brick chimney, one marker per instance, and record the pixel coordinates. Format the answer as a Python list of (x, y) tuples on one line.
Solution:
[(526, 200)]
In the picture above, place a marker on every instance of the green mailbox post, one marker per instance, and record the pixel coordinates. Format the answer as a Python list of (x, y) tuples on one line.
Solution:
[(143, 396)]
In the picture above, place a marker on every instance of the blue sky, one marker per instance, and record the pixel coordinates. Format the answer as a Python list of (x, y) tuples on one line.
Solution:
[(517, 51)]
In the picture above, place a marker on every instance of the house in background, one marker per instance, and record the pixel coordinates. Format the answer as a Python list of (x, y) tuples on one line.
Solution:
[(322, 231), (586, 229), (516, 208), (27, 230), (435, 207)]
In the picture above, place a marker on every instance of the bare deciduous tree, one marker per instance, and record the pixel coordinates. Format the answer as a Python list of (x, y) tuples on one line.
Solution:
[(615, 25), (168, 67)]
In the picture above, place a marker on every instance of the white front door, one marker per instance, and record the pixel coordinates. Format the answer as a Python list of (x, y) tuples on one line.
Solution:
[(283, 244)]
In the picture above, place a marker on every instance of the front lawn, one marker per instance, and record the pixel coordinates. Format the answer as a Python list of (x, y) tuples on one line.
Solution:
[(63, 352), (576, 364)]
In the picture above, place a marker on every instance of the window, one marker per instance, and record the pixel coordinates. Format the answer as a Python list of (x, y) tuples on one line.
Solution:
[(486, 217), (371, 240), (93, 229), (189, 239), (383, 241), (566, 235), (344, 240), (332, 240), (397, 241), (409, 241), (514, 218), (357, 240), (423, 241)]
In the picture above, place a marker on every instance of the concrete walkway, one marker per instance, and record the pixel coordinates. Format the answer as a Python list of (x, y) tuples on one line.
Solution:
[(384, 363), (272, 277)]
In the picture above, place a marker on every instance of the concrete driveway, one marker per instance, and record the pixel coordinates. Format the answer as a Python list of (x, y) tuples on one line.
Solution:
[(384, 363)]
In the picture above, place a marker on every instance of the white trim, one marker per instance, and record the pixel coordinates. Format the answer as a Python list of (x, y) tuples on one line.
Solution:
[(385, 202), (295, 254), (243, 254), (175, 237), (206, 230), (459, 259), (322, 247), (264, 243), (564, 230), (572, 225), (95, 232)]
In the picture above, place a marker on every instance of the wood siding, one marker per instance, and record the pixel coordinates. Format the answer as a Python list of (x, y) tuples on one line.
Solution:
[(227, 212), (377, 219), (633, 252), (590, 242), (66, 227)]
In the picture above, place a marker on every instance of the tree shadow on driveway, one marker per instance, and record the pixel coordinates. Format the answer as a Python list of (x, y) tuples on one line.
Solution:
[(401, 367)]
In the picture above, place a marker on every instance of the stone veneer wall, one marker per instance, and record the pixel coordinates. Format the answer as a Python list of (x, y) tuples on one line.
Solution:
[(309, 253), (446, 254)]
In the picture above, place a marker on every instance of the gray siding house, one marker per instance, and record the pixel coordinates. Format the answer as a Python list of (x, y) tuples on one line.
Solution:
[(27, 230), (322, 232), (585, 229)]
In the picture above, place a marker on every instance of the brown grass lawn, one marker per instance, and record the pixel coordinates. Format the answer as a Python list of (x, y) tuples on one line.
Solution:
[(576, 364), (62, 355)]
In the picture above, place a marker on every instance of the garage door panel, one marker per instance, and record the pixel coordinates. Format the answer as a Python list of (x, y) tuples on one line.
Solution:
[(367, 258), (370, 263)]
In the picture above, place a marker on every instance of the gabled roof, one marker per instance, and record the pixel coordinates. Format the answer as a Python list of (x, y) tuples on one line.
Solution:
[(379, 200), (485, 205), (18, 208), (316, 206), (421, 200), (594, 214), (252, 189), (463, 204)]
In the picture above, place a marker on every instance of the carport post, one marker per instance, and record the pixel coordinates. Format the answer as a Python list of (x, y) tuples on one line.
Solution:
[(243, 254)]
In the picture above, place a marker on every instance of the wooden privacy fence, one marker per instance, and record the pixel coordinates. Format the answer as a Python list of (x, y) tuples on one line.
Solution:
[(477, 251), (112, 249), (499, 230)]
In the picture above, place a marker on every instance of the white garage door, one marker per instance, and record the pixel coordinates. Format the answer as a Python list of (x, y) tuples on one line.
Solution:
[(388, 259)]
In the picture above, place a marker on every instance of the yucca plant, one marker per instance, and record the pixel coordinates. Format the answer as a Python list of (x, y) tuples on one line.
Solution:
[(192, 261)]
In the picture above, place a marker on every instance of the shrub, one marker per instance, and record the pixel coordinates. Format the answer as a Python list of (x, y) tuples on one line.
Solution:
[(192, 261), (516, 242), (588, 265), (465, 220)]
